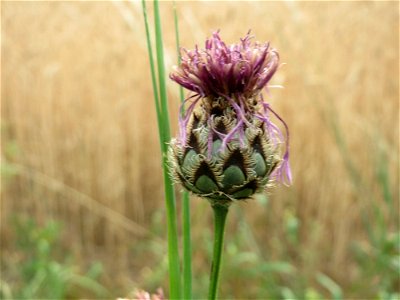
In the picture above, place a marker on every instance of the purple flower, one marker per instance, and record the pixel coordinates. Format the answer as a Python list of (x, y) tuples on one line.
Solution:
[(226, 111), (222, 70)]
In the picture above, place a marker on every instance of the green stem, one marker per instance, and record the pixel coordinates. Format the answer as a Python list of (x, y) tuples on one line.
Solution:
[(160, 98), (178, 49), (187, 247), (187, 244), (161, 76), (220, 213), (173, 251), (153, 76)]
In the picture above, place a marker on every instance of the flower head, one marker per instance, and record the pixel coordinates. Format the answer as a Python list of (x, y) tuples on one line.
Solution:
[(226, 71), (228, 147)]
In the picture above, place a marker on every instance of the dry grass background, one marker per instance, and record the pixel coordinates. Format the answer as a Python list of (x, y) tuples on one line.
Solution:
[(77, 109)]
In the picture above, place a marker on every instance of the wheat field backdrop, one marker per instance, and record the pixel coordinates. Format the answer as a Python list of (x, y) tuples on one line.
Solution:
[(79, 133)]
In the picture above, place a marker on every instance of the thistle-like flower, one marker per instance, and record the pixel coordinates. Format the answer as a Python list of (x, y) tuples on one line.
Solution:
[(228, 147)]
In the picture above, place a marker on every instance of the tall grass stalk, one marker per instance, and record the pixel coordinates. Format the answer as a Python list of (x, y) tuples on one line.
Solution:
[(153, 76), (187, 247), (187, 243), (160, 97)]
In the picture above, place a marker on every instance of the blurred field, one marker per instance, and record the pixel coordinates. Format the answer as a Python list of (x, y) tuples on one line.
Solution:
[(79, 139)]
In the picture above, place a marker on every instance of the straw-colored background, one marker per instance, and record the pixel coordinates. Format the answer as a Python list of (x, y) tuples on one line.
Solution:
[(79, 127)]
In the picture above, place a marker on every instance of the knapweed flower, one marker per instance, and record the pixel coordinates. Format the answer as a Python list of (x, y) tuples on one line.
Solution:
[(228, 147)]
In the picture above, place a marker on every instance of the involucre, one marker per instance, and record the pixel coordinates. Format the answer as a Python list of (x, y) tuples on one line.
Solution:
[(228, 147)]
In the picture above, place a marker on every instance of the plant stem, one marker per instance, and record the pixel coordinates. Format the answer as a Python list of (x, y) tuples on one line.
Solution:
[(178, 48), (161, 75), (153, 76), (187, 243), (187, 247), (173, 252), (220, 213), (160, 98)]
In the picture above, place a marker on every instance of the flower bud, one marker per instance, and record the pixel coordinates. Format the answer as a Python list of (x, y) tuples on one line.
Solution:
[(228, 147), (215, 168)]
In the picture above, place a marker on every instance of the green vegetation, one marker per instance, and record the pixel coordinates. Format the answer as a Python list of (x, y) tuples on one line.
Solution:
[(81, 133), (39, 269), (379, 259), (161, 105)]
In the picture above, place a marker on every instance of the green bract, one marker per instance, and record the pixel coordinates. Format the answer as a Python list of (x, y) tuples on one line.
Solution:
[(206, 167)]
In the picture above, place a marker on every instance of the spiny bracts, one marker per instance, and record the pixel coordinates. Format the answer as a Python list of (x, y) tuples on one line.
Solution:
[(228, 147)]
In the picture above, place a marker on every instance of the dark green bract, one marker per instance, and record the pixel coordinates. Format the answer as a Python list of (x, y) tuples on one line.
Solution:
[(231, 172)]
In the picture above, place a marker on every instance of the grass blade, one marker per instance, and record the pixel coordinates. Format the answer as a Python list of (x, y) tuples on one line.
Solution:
[(173, 252), (187, 244), (187, 247), (177, 39), (160, 97), (153, 75)]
